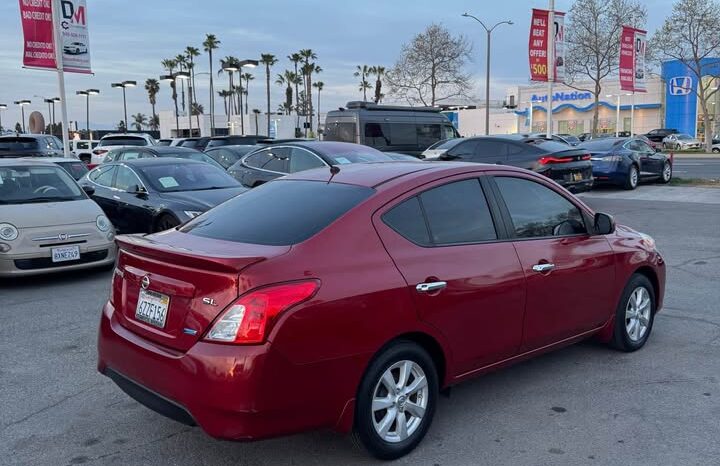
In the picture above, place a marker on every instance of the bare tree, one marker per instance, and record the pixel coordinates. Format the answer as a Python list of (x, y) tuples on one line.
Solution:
[(690, 35), (431, 68), (593, 42)]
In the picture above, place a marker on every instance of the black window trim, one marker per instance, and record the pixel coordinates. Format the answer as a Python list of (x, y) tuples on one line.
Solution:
[(507, 218), (498, 222)]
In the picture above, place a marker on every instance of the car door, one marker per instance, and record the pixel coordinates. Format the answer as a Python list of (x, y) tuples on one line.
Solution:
[(465, 280), (134, 215), (651, 162), (101, 180), (569, 271)]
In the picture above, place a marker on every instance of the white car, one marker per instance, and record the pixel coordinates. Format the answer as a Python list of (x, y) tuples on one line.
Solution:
[(75, 48), (118, 139), (82, 148), (681, 141)]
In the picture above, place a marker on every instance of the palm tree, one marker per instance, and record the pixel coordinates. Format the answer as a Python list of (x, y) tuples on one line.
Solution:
[(268, 60), (181, 61), (190, 54), (224, 93), (319, 86), (169, 64), (247, 77), (287, 79), (197, 110), (152, 86), (211, 43), (296, 58), (307, 55), (154, 123), (256, 112), (232, 62), (379, 72), (363, 72), (139, 121)]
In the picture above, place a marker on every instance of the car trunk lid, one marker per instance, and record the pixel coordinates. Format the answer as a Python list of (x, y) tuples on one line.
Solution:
[(193, 278)]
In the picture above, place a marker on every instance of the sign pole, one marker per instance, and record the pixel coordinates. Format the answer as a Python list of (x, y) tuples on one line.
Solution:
[(57, 38), (632, 114), (550, 66), (530, 118), (617, 118)]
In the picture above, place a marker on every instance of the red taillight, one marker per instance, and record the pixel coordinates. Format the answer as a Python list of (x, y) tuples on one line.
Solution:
[(548, 159), (585, 157), (99, 151), (249, 318)]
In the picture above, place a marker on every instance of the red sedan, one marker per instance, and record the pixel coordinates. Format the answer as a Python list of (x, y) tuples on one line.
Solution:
[(348, 299)]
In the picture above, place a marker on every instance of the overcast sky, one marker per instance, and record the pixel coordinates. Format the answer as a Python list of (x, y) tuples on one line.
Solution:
[(128, 38)]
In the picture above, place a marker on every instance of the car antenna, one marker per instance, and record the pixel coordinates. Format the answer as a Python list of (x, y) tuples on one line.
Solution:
[(334, 170)]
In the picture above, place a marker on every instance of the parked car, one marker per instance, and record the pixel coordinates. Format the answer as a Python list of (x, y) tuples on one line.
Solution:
[(135, 152), (408, 130), (47, 223), (82, 148), (402, 157), (30, 145), (228, 155), (170, 142), (681, 141), (584, 137), (195, 143), (627, 162), (272, 162), (74, 167), (75, 48), (402, 280), (234, 141), (716, 148), (657, 135), (568, 139), (569, 166), (111, 140), (155, 194)]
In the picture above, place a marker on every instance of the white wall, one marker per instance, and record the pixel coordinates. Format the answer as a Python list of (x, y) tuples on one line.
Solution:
[(471, 122)]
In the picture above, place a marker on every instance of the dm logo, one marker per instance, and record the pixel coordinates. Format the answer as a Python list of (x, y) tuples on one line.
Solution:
[(680, 85)]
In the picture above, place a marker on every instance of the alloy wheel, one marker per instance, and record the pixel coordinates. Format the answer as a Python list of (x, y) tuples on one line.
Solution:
[(633, 176), (399, 401), (637, 314), (667, 172)]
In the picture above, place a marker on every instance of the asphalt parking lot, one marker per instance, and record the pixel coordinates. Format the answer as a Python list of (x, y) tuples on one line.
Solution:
[(583, 405)]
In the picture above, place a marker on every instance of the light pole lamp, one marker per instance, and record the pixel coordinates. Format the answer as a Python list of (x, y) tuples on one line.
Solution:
[(87, 93), (2, 107), (250, 64), (487, 65), (22, 104), (124, 85), (51, 112), (173, 78)]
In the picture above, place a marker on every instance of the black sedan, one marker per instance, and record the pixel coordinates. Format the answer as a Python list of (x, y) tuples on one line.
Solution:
[(569, 166), (134, 152), (155, 194), (275, 161), (226, 156)]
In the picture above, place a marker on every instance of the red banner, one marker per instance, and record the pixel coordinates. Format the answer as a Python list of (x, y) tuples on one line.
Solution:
[(39, 48), (632, 59), (538, 46)]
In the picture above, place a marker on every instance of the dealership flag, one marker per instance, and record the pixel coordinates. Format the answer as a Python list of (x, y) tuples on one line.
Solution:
[(538, 45), (39, 42), (632, 59)]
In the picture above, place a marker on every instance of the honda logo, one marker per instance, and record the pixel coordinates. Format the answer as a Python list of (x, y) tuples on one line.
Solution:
[(145, 282), (63, 236), (680, 85)]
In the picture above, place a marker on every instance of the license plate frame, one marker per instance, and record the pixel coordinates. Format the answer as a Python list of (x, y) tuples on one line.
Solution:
[(65, 254), (577, 176), (152, 308)]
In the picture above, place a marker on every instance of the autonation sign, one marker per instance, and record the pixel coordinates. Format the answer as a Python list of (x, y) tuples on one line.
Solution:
[(563, 96)]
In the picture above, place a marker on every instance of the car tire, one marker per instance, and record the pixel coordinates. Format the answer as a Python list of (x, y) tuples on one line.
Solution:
[(666, 174), (716, 150), (633, 178), (165, 222), (378, 410), (634, 315)]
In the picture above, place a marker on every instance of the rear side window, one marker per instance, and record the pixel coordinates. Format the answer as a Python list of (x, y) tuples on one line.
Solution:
[(275, 160), (454, 213), (277, 213)]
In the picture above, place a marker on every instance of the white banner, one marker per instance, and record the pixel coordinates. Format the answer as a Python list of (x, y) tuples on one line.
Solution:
[(73, 25), (559, 28)]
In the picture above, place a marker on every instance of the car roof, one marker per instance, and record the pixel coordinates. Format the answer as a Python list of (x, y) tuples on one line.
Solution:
[(376, 173), (30, 136), (40, 161), (125, 135), (167, 149), (55, 159), (153, 161)]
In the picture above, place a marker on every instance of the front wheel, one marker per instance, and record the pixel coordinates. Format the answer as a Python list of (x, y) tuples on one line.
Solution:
[(666, 175), (634, 315), (396, 401), (716, 150), (633, 176)]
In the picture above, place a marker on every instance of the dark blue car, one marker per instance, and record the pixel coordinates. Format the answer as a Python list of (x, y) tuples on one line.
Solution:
[(626, 162)]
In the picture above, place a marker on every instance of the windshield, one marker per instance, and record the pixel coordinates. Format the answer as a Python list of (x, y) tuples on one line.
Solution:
[(684, 137), (354, 154), (199, 156), (28, 184), (122, 141), (446, 144), (186, 177), (18, 143), (276, 213)]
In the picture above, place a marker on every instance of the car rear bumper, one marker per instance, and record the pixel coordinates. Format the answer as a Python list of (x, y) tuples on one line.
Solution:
[(18, 265), (232, 392)]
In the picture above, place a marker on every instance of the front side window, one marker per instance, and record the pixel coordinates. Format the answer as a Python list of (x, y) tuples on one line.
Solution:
[(126, 180), (130, 155), (224, 157), (537, 211), (103, 175), (377, 134)]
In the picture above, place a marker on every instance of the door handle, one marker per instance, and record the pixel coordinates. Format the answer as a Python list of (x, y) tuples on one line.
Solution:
[(543, 267), (430, 287)]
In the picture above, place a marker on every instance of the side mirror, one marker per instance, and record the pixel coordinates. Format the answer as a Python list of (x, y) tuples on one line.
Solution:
[(604, 224), (89, 190), (137, 190)]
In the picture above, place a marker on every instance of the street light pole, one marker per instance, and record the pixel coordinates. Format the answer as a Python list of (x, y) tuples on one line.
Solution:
[(174, 77), (249, 64), (487, 67), (22, 104), (123, 85), (2, 107), (87, 93)]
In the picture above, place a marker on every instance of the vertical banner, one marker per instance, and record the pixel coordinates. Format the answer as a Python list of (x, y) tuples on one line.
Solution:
[(633, 43), (74, 35), (38, 40), (538, 45), (38, 43)]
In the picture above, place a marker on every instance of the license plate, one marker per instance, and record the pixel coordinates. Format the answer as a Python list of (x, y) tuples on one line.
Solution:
[(67, 253), (152, 308), (577, 176)]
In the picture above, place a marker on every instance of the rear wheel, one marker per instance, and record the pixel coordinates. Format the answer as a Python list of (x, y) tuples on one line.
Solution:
[(633, 177), (666, 175), (635, 314), (165, 222), (396, 401), (716, 150)]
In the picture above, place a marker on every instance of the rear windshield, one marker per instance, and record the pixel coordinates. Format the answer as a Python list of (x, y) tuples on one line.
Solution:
[(37, 184), (18, 144), (123, 141), (549, 146), (181, 176), (353, 154), (277, 213), (602, 144)]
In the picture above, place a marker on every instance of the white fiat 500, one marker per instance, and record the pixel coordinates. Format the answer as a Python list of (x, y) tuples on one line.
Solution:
[(48, 223)]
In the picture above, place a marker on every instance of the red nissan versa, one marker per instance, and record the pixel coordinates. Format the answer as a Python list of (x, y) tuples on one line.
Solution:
[(349, 299)]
